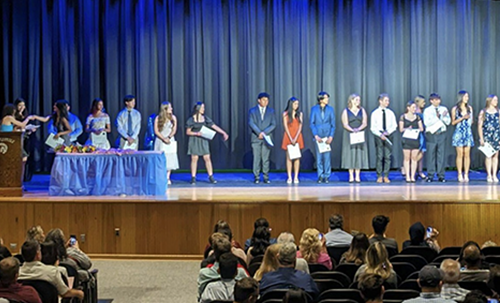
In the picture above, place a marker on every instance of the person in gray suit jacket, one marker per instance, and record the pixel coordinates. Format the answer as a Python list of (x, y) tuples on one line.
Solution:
[(262, 121)]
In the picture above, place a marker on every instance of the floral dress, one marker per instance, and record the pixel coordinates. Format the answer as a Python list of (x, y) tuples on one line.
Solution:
[(491, 129), (463, 131)]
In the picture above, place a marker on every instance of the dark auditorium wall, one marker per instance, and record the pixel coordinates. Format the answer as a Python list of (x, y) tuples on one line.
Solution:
[(226, 52)]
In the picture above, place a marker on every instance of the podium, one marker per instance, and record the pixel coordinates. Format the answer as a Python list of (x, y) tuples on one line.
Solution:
[(11, 164)]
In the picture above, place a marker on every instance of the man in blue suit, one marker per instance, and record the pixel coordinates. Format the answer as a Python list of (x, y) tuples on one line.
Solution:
[(323, 128), (262, 122)]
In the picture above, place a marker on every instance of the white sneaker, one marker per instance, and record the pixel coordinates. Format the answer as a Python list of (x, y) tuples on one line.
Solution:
[(296, 181), (489, 180), (289, 181)]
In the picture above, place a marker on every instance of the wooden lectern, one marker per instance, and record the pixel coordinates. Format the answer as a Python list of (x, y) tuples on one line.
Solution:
[(11, 164)]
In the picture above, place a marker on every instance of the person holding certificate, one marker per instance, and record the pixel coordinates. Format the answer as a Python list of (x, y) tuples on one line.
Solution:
[(410, 125), (462, 140), (98, 125), (165, 127), (292, 139), (322, 125), (382, 125), (354, 149), (128, 123), (199, 129), (488, 128), (436, 117)]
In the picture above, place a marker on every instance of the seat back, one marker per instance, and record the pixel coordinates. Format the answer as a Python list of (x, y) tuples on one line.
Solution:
[(440, 258), (428, 253), (252, 269), (410, 285), (336, 252), (46, 291), (326, 284), (400, 294), (495, 259), (342, 294), (476, 285), (450, 250), (413, 276), (337, 301), (333, 275), (349, 269), (415, 260), (277, 294), (403, 269), (315, 267), (255, 259), (491, 250)]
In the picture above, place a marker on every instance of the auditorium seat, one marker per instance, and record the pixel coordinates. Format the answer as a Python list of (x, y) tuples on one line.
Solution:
[(277, 294), (450, 250), (256, 259), (400, 295), (439, 259), (334, 275), (46, 291), (413, 275), (315, 267), (336, 252), (339, 294), (253, 268), (415, 260), (326, 284), (411, 284), (479, 285), (349, 269), (491, 250), (428, 253), (403, 269)]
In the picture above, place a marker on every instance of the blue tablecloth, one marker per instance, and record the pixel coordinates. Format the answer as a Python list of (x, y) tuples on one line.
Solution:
[(139, 173)]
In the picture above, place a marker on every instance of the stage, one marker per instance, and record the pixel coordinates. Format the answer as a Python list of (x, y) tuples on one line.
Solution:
[(178, 224)]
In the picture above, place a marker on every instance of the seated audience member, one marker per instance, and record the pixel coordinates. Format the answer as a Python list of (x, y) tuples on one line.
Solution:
[(246, 290), (223, 288), (269, 262), (472, 270), (10, 288), (451, 272), (223, 227), (258, 223), (357, 251), (295, 296), (494, 280), (49, 257), (211, 272), (286, 237), (312, 248), (4, 252), (286, 275), (238, 252), (260, 242), (35, 233), (336, 235), (475, 296), (377, 262), (33, 269), (372, 288), (417, 237), (379, 224), (430, 279), (483, 265)]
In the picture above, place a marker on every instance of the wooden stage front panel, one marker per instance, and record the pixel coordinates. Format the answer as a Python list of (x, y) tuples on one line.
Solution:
[(178, 226)]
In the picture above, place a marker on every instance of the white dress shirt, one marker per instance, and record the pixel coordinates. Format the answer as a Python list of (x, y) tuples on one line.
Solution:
[(122, 123), (431, 117), (262, 111), (376, 122)]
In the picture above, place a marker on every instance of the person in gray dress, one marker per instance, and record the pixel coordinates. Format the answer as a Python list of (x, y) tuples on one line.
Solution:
[(197, 145), (354, 156)]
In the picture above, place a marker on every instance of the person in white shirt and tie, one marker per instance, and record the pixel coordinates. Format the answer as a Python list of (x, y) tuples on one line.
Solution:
[(383, 124), (436, 113), (128, 123)]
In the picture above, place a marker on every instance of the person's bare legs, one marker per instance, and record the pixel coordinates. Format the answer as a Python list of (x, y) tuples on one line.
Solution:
[(208, 165), (459, 162), (406, 163), (466, 163), (288, 168), (489, 171), (351, 175), (413, 163), (357, 177), (494, 167), (296, 167), (194, 165)]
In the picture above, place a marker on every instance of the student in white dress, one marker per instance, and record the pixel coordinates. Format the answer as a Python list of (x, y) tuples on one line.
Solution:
[(165, 129), (98, 126)]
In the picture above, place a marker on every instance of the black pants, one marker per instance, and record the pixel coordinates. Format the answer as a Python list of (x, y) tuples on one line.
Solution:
[(383, 152), (436, 149)]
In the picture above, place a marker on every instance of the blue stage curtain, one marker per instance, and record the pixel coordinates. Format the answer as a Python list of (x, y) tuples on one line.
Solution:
[(226, 52)]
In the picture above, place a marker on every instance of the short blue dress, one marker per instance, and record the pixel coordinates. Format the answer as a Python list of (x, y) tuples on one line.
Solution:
[(463, 132), (491, 129)]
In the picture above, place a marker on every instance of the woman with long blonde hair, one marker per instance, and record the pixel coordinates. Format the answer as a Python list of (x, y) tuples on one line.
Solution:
[(377, 262), (312, 248), (488, 128), (165, 128), (269, 262)]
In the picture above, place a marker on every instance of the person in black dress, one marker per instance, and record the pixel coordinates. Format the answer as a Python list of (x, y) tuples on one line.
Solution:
[(408, 121)]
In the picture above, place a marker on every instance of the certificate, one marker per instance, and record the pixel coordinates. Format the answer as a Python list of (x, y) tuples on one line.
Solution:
[(53, 142), (268, 140), (435, 127), (322, 146), (130, 146), (99, 139), (31, 127), (487, 149), (207, 133), (411, 134), (357, 138), (293, 151)]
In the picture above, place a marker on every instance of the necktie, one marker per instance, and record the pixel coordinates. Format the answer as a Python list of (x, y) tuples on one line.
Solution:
[(437, 113), (129, 124), (323, 113), (384, 123), (262, 112)]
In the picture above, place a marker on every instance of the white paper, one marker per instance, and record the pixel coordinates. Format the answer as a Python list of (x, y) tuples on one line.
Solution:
[(487, 150), (434, 127), (53, 142), (99, 139), (130, 146), (323, 147), (170, 148), (207, 133), (268, 140), (411, 134), (357, 138), (31, 127), (293, 151)]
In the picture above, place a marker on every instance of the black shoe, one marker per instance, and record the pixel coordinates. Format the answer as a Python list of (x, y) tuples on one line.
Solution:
[(193, 180), (428, 180), (320, 180), (256, 181), (267, 181), (326, 180), (442, 180), (212, 180)]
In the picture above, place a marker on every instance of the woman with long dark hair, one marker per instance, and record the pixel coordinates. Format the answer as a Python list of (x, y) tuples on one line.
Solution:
[(292, 122), (60, 121), (197, 145), (98, 125), (357, 251), (165, 128), (462, 116)]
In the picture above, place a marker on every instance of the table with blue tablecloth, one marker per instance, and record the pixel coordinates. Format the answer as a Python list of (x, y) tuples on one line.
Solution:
[(137, 173)]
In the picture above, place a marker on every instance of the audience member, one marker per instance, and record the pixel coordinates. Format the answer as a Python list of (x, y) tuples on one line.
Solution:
[(417, 237), (238, 252), (222, 289), (450, 289), (4, 252), (33, 269), (379, 224), (494, 281), (260, 241), (269, 262), (222, 227), (357, 252), (10, 288), (336, 236), (295, 296), (286, 237), (430, 279), (475, 296), (35, 233), (260, 222), (312, 248), (377, 262), (371, 287), (211, 272), (472, 271), (49, 257), (483, 265), (286, 275), (246, 290)]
